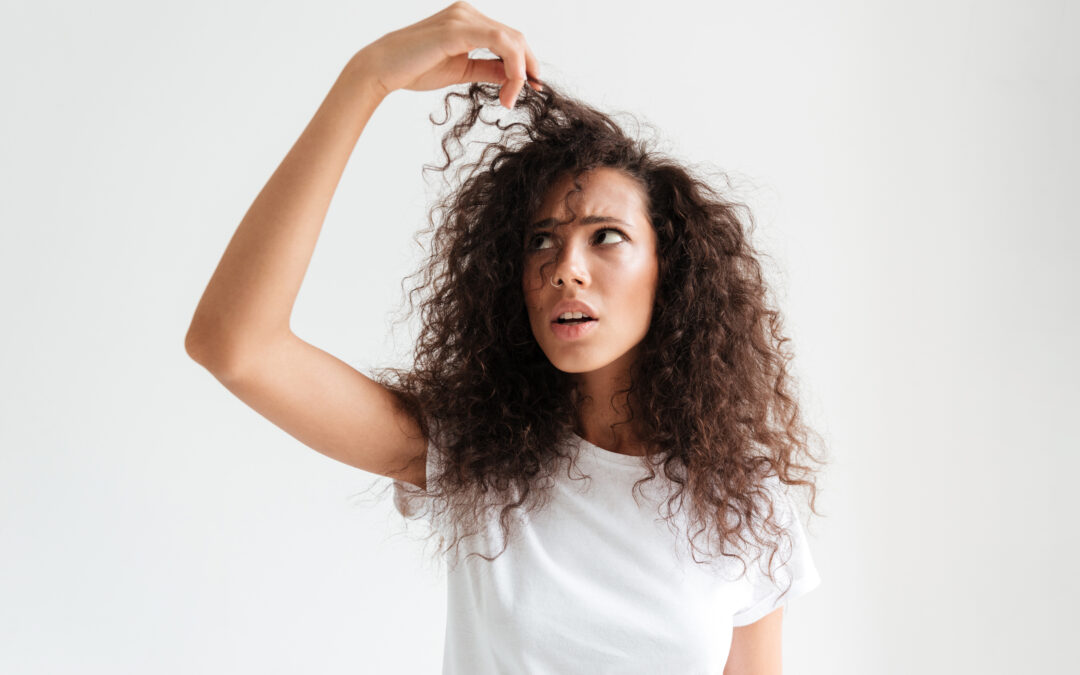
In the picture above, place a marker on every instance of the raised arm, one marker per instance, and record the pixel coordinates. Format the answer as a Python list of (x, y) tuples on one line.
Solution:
[(251, 294), (241, 328)]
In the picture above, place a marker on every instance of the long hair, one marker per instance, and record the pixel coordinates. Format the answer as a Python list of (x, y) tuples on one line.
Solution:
[(711, 386)]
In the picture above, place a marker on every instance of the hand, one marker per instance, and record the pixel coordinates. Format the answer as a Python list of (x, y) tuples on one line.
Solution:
[(434, 53)]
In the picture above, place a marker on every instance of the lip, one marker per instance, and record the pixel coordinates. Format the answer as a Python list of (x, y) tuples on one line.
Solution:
[(573, 331), (572, 306)]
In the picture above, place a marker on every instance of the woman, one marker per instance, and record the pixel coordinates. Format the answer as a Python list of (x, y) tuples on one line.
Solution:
[(599, 413)]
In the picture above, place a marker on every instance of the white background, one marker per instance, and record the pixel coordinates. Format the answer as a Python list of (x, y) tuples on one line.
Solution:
[(912, 167)]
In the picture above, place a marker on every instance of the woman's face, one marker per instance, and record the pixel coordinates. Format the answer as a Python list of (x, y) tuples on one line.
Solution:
[(605, 258)]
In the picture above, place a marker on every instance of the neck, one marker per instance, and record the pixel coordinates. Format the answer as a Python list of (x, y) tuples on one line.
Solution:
[(607, 415)]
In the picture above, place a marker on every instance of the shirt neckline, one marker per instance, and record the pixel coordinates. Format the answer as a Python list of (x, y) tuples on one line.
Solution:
[(607, 455)]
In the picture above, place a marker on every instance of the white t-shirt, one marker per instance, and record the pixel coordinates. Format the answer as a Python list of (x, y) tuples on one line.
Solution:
[(597, 582)]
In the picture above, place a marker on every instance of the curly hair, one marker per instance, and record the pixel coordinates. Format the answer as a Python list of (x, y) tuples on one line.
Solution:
[(711, 386)]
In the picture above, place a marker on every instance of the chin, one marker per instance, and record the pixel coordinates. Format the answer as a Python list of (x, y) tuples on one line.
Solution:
[(571, 370), (572, 365)]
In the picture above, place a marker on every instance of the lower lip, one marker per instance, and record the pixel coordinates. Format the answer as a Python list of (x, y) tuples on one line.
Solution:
[(572, 331)]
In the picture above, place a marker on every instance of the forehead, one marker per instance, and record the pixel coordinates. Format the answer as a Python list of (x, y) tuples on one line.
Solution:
[(606, 192)]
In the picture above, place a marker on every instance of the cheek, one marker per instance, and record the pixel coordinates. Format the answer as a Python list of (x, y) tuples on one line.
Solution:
[(531, 278), (532, 286), (640, 281), (532, 298)]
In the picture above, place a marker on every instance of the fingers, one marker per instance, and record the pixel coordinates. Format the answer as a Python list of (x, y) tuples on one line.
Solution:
[(518, 61), (510, 53), (483, 70), (532, 65)]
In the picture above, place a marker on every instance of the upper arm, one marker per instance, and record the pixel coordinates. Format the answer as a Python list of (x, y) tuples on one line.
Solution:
[(756, 648), (327, 405)]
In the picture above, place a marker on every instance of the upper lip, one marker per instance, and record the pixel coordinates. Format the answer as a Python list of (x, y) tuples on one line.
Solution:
[(573, 306)]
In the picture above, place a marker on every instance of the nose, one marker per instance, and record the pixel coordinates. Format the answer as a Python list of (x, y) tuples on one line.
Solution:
[(570, 267)]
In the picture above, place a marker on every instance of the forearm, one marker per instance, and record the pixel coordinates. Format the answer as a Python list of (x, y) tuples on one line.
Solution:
[(251, 294)]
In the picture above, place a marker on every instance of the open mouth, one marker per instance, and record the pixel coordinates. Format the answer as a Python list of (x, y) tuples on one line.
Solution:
[(572, 321), (573, 329)]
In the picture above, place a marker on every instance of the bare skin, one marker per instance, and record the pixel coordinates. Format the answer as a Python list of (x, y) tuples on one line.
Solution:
[(241, 328), (757, 649), (612, 266)]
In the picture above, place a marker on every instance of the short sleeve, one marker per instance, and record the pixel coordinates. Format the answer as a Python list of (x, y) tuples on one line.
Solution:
[(767, 595), (409, 500)]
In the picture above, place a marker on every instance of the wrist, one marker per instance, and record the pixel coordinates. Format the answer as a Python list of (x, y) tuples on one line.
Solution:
[(361, 70)]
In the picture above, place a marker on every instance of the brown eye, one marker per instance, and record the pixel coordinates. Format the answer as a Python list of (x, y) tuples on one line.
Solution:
[(611, 229), (599, 234), (532, 242)]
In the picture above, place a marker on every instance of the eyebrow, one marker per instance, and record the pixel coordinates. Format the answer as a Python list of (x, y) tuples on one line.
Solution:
[(587, 220)]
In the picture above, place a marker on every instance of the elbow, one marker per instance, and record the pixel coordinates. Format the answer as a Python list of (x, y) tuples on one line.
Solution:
[(191, 345), (206, 350)]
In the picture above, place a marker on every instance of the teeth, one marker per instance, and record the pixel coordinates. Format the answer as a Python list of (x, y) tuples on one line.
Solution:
[(572, 315)]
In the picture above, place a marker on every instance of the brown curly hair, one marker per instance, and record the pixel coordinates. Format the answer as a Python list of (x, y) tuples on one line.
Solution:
[(711, 384)]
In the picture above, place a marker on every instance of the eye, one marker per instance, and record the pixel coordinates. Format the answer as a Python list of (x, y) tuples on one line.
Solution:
[(599, 233), (540, 236), (532, 242)]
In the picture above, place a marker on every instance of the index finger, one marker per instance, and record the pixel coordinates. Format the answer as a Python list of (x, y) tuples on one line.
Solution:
[(532, 64), (533, 67), (515, 70)]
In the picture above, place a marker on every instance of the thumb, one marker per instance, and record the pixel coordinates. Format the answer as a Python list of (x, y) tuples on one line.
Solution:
[(483, 70)]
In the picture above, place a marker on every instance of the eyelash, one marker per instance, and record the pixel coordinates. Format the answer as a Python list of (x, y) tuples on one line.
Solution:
[(598, 233)]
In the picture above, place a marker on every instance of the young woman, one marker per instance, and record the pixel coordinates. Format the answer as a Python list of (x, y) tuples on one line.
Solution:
[(599, 423)]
